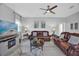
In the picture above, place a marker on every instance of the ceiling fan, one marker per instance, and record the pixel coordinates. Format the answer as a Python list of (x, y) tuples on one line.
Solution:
[(49, 9)]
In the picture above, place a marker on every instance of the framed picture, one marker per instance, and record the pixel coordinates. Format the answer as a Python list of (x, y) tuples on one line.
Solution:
[(71, 26), (76, 26)]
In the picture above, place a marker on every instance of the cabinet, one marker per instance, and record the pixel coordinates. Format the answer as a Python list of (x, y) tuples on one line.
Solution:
[(9, 45)]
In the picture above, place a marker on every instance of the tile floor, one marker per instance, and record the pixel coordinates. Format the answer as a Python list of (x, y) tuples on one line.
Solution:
[(49, 49)]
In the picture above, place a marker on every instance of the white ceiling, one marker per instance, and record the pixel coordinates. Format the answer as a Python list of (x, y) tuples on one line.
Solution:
[(33, 9)]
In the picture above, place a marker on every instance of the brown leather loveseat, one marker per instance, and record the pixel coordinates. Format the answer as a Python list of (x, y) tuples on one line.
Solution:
[(68, 43)]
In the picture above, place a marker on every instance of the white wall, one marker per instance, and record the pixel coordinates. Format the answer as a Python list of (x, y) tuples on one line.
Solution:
[(72, 19), (6, 13), (50, 22)]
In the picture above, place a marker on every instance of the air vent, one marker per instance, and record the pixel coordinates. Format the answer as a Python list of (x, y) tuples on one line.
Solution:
[(71, 7)]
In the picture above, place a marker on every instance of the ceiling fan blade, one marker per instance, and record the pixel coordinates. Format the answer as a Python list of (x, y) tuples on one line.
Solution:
[(42, 9), (48, 7), (53, 7), (45, 12), (52, 12)]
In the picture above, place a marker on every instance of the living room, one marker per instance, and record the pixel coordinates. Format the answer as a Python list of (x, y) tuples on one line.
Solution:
[(32, 19)]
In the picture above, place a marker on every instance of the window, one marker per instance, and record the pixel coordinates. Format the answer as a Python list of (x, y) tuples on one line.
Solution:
[(17, 21), (43, 25), (36, 24), (76, 26), (71, 26)]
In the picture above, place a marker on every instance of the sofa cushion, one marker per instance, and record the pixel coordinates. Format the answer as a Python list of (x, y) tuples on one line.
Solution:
[(61, 36), (65, 45), (74, 40), (34, 33)]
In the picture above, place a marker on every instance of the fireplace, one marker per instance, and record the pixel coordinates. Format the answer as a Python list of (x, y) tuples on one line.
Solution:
[(11, 43)]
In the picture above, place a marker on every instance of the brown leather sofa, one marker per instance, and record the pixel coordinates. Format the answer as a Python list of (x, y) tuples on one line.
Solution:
[(63, 42), (41, 35)]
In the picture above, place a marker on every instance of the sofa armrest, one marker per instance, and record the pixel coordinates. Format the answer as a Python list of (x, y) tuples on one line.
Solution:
[(65, 45), (75, 47), (73, 50)]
